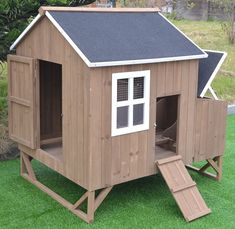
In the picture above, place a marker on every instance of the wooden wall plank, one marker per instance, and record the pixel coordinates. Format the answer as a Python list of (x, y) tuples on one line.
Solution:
[(75, 95), (210, 124), (192, 94), (90, 151)]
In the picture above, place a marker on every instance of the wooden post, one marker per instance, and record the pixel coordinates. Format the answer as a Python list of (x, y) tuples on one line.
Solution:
[(215, 163), (92, 202)]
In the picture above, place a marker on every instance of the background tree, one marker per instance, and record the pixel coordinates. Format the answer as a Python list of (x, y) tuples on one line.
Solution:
[(15, 15), (228, 7)]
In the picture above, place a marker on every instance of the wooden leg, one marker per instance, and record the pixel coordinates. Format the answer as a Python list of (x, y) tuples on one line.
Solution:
[(215, 163), (92, 202)]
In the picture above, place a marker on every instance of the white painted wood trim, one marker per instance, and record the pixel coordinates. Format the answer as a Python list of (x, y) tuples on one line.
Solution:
[(131, 128), (109, 63), (145, 61), (27, 29), (213, 93), (205, 54), (214, 72), (65, 35)]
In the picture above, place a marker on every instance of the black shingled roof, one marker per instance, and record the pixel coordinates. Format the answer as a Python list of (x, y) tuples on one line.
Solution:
[(111, 36)]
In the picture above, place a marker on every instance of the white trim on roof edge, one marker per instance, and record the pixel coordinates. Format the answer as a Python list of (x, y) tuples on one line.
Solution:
[(183, 34), (109, 63), (213, 93), (146, 61), (208, 84), (27, 29), (66, 36)]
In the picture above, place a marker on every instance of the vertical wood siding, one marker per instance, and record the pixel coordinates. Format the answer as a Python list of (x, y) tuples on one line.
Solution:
[(131, 156), (45, 42), (92, 158), (210, 124)]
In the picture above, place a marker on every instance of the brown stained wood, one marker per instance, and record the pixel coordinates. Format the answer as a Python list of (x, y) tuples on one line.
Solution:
[(43, 9), (75, 84), (90, 206), (102, 195), (27, 165), (106, 143), (209, 129), (177, 76), (125, 158), (183, 109), (192, 94), (116, 160), (150, 155), (95, 130), (161, 80), (136, 151), (92, 203), (51, 141), (215, 164), (81, 200), (168, 160), (21, 103), (183, 188), (91, 157), (169, 87), (89, 151)]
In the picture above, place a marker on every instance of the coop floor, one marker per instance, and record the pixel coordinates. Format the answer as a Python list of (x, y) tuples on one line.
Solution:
[(160, 152), (54, 150)]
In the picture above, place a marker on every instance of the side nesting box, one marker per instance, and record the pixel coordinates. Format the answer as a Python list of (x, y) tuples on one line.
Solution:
[(108, 96)]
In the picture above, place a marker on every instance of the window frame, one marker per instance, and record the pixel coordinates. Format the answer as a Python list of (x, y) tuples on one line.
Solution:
[(130, 102)]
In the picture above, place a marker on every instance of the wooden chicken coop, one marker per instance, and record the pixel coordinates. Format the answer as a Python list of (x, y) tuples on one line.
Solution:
[(103, 103)]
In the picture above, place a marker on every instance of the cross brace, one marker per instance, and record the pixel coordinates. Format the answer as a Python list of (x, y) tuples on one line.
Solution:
[(92, 202), (215, 163)]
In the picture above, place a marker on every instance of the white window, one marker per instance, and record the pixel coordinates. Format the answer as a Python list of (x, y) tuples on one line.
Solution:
[(130, 102)]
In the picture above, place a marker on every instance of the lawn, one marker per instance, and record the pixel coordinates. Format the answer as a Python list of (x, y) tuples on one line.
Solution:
[(144, 203), (209, 35)]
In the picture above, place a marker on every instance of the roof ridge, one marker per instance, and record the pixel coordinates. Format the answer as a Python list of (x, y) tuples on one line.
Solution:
[(43, 9)]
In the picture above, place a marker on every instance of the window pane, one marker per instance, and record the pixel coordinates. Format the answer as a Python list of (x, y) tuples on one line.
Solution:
[(138, 87), (122, 90), (138, 114), (122, 117)]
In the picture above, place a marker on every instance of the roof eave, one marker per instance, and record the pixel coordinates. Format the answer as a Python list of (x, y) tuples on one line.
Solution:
[(27, 29), (145, 61)]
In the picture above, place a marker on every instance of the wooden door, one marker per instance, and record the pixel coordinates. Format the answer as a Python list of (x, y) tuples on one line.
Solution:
[(210, 128), (22, 75)]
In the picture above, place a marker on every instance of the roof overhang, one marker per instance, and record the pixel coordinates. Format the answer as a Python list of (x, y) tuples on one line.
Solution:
[(45, 11)]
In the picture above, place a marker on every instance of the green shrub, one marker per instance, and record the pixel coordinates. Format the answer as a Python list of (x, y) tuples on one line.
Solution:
[(3, 88)]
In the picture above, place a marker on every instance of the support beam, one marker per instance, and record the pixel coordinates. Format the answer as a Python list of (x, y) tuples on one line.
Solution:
[(215, 163), (92, 202)]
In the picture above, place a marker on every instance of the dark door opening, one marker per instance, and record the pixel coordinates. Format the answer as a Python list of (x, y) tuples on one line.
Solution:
[(166, 126), (50, 104)]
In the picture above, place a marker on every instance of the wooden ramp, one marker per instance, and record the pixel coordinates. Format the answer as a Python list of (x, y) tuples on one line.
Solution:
[(182, 187)]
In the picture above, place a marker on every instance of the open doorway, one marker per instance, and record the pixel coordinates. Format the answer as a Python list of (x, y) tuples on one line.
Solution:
[(166, 126), (50, 107)]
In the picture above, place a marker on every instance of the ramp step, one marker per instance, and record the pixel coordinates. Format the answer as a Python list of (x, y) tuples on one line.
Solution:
[(168, 159), (182, 187), (198, 215)]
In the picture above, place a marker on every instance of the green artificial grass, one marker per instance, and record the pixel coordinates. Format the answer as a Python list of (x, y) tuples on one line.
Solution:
[(143, 203)]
